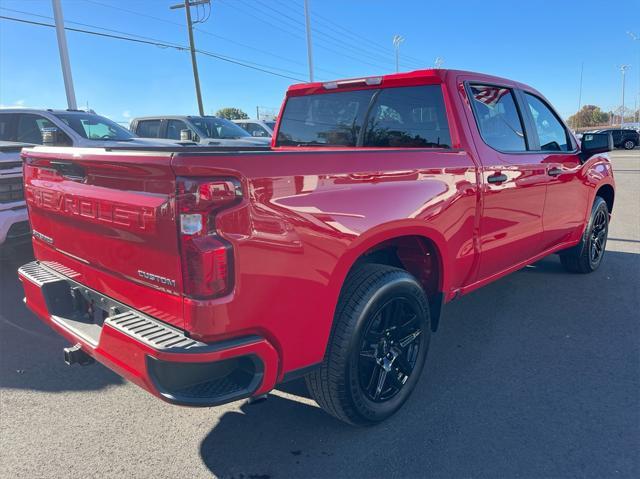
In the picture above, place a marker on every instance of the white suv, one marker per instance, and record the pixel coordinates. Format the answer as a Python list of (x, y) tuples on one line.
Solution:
[(203, 130), (258, 128)]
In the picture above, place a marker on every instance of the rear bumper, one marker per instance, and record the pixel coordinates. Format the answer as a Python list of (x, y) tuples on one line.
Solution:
[(155, 356)]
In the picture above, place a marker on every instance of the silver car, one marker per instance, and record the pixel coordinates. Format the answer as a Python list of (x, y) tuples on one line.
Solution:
[(203, 130), (68, 128)]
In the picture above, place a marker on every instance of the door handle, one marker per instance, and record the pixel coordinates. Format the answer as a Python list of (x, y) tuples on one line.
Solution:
[(497, 178), (555, 171)]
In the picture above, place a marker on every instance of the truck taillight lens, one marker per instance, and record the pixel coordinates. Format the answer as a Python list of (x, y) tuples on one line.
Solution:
[(207, 259)]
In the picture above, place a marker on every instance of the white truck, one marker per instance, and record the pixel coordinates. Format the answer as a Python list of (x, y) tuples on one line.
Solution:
[(14, 223)]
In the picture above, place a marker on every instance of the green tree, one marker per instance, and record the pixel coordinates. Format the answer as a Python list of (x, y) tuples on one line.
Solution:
[(589, 115), (231, 113)]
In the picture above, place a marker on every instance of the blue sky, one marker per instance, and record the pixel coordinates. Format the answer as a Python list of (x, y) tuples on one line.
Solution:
[(541, 43)]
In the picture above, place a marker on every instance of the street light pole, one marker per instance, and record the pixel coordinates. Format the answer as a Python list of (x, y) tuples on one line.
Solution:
[(307, 21), (636, 38), (623, 70), (194, 64), (64, 55), (579, 97), (397, 40)]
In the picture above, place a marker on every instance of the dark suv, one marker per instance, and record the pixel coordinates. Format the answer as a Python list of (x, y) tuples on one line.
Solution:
[(623, 138)]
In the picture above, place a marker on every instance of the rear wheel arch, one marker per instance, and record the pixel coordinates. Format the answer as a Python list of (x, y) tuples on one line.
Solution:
[(417, 254), (607, 193)]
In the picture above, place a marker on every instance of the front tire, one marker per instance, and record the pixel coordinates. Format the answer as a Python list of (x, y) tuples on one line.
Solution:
[(377, 348), (587, 256), (629, 145)]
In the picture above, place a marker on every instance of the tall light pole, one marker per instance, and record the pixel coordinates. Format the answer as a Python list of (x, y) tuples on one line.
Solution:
[(636, 38), (64, 55), (623, 70), (579, 97), (307, 21), (397, 40), (194, 64)]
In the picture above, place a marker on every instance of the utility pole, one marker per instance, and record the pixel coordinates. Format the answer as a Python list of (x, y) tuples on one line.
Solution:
[(579, 97), (397, 40), (623, 69), (636, 38), (187, 7), (307, 21), (64, 55)]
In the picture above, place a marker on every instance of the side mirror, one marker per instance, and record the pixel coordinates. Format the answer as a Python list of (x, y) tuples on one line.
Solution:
[(185, 135), (594, 143)]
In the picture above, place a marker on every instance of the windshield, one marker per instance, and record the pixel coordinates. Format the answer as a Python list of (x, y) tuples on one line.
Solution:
[(271, 124), (212, 127), (95, 127)]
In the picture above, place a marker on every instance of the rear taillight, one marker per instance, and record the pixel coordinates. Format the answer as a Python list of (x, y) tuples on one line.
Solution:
[(207, 259)]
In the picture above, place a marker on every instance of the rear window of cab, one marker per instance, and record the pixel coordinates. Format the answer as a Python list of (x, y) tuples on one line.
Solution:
[(399, 117)]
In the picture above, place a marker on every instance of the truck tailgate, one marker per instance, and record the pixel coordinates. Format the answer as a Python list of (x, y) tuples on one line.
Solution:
[(110, 217)]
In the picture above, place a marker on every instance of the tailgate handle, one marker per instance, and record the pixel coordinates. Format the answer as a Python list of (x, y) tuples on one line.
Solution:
[(69, 170)]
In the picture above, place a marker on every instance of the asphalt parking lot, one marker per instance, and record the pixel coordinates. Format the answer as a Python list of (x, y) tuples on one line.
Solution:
[(536, 375)]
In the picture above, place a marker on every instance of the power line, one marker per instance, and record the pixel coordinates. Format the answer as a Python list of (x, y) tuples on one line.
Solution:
[(297, 27), (84, 25), (206, 32), (329, 38), (373, 54), (157, 44), (178, 46), (360, 37), (344, 31), (301, 37)]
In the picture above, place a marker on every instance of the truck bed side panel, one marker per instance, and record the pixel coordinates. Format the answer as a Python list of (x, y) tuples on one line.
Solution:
[(308, 216)]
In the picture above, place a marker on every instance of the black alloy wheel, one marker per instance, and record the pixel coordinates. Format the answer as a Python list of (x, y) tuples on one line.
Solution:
[(389, 349), (378, 346), (587, 256), (598, 237)]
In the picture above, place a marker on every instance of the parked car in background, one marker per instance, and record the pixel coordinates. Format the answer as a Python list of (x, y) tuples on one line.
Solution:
[(258, 128), (623, 137), (67, 128), (203, 130), (211, 276), (14, 224)]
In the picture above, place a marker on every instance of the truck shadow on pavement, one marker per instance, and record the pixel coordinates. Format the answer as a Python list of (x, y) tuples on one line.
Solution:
[(30, 352), (535, 375)]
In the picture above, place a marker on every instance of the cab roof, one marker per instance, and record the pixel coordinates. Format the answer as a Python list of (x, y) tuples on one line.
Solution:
[(416, 77)]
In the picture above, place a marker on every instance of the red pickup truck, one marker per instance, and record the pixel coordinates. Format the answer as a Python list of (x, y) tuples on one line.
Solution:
[(210, 275)]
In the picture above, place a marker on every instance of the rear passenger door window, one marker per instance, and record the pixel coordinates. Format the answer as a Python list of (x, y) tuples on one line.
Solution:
[(30, 128), (498, 118), (408, 117), (174, 127), (148, 128), (325, 119), (7, 127), (551, 133), (255, 129)]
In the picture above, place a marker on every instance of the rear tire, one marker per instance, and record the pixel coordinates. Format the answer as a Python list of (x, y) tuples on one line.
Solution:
[(587, 256), (629, 145), (377, 348)]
